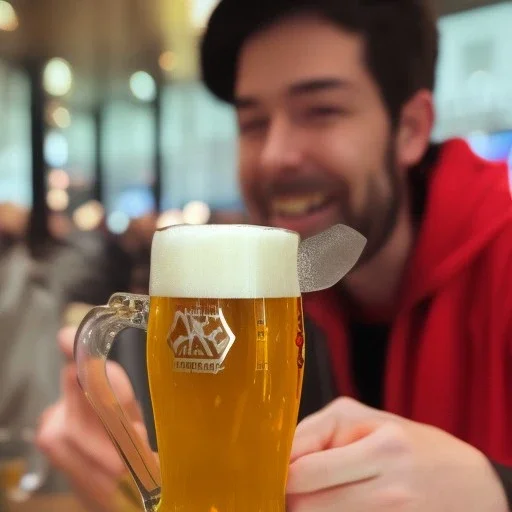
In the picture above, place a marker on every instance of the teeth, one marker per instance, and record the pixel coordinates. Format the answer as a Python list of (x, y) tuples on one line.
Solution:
[(298, 205)]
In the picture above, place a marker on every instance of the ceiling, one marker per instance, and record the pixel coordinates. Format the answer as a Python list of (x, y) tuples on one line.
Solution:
[(94, 35), (106, 40)]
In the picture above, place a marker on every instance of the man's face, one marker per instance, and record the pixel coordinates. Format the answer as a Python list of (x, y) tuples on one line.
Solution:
[(316, 144)]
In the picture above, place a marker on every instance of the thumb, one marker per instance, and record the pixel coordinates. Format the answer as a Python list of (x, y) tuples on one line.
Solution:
[(123, 390), (66, 340), (341, 423)]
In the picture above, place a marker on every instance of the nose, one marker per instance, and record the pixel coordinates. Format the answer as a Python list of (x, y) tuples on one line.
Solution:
[(282, 150)]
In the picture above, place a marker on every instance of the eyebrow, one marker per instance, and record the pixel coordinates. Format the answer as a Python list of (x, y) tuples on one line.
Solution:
[(298, 89), (318, 84)]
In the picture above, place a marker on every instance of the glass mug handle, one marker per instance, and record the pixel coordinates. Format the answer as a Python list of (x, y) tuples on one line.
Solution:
[(94, 339)]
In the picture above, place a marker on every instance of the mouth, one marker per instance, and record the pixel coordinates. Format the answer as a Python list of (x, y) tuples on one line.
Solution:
[(299, 205), (306, 213)]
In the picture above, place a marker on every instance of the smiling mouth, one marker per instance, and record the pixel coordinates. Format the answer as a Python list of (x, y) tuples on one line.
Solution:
[(299, 205)]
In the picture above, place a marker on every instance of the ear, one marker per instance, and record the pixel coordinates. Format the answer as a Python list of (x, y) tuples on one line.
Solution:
[(414, 129)]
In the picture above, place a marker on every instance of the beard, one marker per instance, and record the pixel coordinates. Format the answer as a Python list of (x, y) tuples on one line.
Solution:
[(376, 219), (384, 200)]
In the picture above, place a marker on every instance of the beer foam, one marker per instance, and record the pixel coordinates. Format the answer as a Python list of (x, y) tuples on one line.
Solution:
[(224, 262)]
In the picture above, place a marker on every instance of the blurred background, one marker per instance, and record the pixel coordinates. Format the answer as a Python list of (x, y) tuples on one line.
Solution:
[(106, 133), (104, 120), (106, 126)]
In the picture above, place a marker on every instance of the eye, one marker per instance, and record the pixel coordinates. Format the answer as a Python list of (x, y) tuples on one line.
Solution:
[(324, 112), (253, 126)]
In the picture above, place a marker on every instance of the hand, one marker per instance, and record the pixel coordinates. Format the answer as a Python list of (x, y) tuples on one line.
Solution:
[(74, 439), (353, 458)]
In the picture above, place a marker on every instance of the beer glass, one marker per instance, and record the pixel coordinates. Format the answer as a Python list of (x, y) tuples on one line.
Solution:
[(225, 357), (23, 470)]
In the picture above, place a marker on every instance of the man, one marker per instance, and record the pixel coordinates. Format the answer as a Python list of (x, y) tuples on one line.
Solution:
[(335, 110)]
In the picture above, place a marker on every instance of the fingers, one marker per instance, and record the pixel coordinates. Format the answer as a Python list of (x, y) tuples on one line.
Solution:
[(81, 430), (74, 439), (343, 422), (73, 427), (118, 378), (100, 390), (89, 479), (334, 467), (359, 497), (361, 460), (123, 390), (66, 439), (66, 340)]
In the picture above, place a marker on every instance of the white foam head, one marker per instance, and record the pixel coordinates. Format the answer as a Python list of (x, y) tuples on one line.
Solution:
[(224, 261)]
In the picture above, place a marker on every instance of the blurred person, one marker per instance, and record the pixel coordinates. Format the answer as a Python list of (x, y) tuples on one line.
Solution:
[(34, 296), (335, 109), (29, 361), (88, 266)]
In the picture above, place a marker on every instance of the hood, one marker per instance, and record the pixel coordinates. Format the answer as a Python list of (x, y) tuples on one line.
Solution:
[(469, 203)]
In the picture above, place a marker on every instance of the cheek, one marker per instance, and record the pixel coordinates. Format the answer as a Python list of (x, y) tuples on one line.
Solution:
[(244, 165), (357, 153), (247, 176), (345, 158), (367, 167)]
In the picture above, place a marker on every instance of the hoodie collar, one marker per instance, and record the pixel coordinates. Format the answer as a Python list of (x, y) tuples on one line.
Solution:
[(468, 201)]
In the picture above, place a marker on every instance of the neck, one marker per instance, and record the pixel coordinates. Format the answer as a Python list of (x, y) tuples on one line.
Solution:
[(375, 285)]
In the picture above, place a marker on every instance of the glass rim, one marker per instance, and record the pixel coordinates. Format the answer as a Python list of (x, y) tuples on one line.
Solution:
[(245, 226)]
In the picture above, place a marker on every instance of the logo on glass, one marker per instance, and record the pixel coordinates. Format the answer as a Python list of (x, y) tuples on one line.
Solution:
[(200, 339)]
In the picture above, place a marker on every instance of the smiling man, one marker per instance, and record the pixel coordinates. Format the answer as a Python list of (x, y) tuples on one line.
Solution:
[(306, 128), (334, 100)]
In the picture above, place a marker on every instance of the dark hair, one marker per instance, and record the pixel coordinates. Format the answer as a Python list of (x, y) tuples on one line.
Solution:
[(401, 40)]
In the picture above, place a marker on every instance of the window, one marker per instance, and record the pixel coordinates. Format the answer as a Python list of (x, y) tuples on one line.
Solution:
[(15, 137), (199, 148)]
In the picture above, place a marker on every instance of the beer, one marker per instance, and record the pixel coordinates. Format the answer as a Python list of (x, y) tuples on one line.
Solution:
[(225, 361), (11, 472)]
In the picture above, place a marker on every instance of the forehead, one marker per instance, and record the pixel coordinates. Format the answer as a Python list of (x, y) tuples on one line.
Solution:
[(295, 49)]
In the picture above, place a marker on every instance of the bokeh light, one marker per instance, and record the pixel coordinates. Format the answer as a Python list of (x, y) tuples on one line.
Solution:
[(57, 77)]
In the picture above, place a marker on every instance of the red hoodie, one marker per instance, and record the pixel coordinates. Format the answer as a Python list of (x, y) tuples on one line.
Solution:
[(450, 355)]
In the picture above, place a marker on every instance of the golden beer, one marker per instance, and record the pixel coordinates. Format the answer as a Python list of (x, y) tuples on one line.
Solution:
[(225, 430), (225, 359)]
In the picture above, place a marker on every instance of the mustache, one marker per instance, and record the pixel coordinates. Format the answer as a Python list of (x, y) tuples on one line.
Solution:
[(302, 185)]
